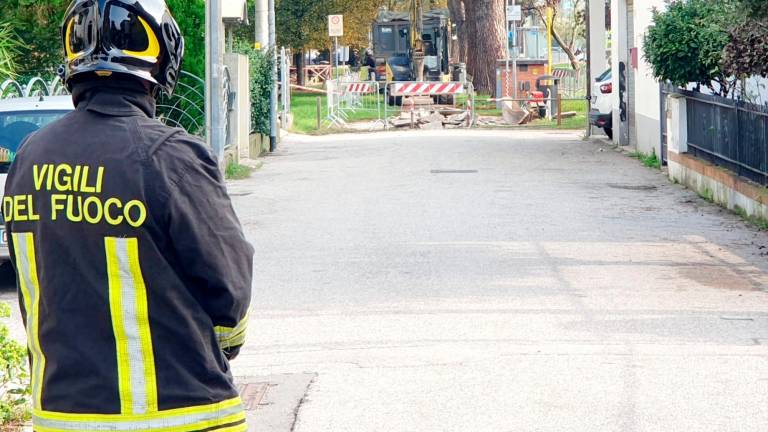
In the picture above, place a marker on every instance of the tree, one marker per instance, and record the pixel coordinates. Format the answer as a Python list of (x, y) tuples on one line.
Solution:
[(539, 8), (459, 42), (37, 23), (485, 22), (747, 51), (190, 15), (685, 44)]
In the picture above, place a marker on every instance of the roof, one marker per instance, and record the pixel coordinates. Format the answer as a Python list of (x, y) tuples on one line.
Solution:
[(48, 103), (234, 10), (387, 16)]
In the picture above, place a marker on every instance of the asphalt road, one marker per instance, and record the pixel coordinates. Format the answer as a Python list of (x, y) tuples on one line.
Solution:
[(500, 281)]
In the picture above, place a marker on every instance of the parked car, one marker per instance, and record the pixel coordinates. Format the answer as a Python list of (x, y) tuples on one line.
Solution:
[(20, 117), (601, 111)]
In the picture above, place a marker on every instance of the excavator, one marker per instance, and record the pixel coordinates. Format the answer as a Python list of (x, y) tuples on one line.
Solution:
[(413, 45)]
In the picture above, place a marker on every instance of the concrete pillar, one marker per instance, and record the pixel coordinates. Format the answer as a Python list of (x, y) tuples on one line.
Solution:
[(597, 39), (240, 118), (677, 124), (619, 53)]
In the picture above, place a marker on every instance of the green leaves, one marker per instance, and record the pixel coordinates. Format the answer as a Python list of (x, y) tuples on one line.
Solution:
[(685, 43), (14, 378), (9, 51), (261, 86)]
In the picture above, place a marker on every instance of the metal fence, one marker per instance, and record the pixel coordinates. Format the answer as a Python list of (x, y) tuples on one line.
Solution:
[(728, 133), (185, 109), (37, 86)]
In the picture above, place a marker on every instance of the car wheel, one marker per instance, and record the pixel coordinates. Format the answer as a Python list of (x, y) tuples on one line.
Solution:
[(609, 132)]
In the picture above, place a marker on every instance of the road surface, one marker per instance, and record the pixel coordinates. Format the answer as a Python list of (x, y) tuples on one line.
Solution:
[(498, 281)]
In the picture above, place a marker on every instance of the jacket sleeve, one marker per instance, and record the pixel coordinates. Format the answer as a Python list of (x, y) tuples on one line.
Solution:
[(209, 242)]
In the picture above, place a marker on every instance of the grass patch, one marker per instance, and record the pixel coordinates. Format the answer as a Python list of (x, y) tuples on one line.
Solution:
[(757, 221), (304, 109), (649, 160), (579, 106), (235, 171)]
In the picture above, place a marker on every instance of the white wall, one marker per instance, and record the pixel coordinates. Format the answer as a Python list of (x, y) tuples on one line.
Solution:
[(647, 101), (618, 54)]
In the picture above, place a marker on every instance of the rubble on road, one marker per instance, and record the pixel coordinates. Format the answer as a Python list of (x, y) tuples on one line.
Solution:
[(430, 118)]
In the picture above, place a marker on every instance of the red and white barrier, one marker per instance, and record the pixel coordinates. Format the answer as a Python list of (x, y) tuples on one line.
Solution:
[(427, 89), (359, 88)]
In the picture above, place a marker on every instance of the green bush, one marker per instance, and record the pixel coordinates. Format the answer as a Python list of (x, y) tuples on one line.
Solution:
[(686, 42), (14, 378), (261, 86)]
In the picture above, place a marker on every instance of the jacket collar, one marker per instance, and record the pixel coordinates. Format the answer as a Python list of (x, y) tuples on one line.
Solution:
[(119, 101)]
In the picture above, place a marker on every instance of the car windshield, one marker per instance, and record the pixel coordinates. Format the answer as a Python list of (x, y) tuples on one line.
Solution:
[(604, 77), (17, 125)]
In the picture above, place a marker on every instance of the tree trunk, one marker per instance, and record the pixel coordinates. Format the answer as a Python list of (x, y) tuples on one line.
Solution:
[(485, 22), (458, 40), (298, 60)]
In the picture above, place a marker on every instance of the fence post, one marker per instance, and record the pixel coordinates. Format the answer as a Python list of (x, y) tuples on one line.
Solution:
[(559, 109), (319, 109)]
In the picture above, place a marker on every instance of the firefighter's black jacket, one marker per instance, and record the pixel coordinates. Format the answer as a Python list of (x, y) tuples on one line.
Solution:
[(134, 274)]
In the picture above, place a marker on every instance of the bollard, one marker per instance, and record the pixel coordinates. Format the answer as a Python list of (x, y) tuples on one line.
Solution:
[(319, 105), (559, 110)]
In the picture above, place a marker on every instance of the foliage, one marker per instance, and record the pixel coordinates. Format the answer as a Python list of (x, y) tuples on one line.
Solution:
[(745, 54), (14, 378), (685, 43), (303, 24), (235, 171), (190, 15), (649, 160), (261, 86), (9, 49), (37, 24)]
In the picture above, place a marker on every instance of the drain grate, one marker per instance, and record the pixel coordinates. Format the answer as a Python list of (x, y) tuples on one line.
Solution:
[(252, 394), (456, 171)]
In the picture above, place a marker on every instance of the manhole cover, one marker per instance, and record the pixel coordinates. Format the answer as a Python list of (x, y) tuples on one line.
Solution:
[(632, 187), (252, 394), (453, 171)]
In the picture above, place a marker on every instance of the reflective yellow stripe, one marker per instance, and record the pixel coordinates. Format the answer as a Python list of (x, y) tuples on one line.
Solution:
[(232, 336), (203, 417), (130, 323), (24, 247)]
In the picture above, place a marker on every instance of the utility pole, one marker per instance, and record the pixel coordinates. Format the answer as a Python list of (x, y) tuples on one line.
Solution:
[(261, 24), (550, 25), (273, 132), (214, 80), (589, 66)]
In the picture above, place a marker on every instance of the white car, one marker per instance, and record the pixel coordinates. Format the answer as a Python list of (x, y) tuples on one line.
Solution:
[(20, 117), (600, 113)]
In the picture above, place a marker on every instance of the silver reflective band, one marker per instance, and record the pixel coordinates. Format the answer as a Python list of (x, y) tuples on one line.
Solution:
[(131, 328), (24, 244), (139, 425)]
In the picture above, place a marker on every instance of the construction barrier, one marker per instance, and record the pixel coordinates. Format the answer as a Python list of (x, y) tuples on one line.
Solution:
[(455, 100), (348, 99), (427, 88)]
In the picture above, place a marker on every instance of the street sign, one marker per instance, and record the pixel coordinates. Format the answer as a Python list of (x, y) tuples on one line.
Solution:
[(514, 13), (335, 25)]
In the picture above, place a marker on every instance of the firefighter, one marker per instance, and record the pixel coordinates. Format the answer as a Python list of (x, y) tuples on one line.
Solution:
[(133, 271)]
